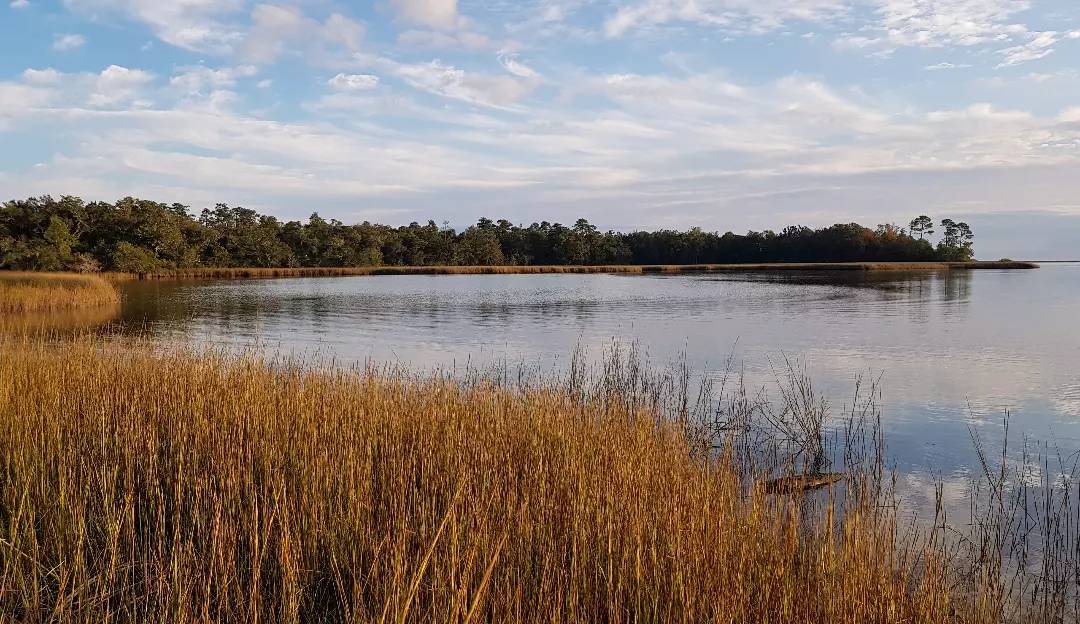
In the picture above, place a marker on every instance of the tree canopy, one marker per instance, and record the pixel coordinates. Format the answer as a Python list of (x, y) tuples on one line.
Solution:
[(140, 236)]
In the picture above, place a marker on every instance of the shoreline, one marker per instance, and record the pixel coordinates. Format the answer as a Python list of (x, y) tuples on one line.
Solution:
[(283, 272)]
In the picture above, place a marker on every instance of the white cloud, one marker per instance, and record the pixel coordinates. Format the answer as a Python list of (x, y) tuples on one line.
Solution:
[(19, 4), (442, 14), (353, 82), (447, 40), (1038, 46), (66, 42), (344, 31), (19, 99), (515, 67), (946, 65), (955, 22), (113, 87), (199, 79), (200, 25), (1070, 115), (276, 29), (47, 76), (117, 85), (732, 15), (243, 157), (962, 23), (48, 92), (472, 87)]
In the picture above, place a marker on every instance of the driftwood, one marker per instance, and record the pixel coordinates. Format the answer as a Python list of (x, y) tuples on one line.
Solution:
[(800, 483)]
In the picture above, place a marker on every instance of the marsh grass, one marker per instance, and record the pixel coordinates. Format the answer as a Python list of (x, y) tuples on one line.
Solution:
[(154, 485), (33, 293), (256, 273)]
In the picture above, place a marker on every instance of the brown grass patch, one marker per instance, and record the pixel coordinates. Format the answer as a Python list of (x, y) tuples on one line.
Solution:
[(24, 293)]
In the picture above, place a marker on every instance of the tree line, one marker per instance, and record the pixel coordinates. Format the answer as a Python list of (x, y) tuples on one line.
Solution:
[(142, 236)]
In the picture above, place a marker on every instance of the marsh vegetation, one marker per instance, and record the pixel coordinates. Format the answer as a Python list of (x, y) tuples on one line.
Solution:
[(150, 484), (25, 293)]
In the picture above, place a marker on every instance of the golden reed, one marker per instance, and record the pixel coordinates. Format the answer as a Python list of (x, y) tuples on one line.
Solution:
[(24, 293), (171, 486)]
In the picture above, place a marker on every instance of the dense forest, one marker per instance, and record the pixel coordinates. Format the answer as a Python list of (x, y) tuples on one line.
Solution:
[(140, 236)]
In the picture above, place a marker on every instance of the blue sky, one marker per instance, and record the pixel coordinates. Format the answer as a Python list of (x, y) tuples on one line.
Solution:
[(728, 114)]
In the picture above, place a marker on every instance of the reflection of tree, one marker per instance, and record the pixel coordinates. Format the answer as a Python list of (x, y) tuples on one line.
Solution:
[(324, 306), (914, 292), (955, 287), (67, 321), (147, 302)]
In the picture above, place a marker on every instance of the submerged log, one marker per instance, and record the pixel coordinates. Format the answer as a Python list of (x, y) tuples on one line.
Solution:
[(800, 483)]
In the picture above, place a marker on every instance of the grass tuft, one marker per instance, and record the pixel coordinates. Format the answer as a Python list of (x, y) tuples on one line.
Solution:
[(24, 293)]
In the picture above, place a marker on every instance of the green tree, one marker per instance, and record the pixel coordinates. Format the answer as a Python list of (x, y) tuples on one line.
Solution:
[(60, 242), (40, 233), (966, 241), (956, 242), (922, 226), (479, 246), (134, 259), (950, 233)]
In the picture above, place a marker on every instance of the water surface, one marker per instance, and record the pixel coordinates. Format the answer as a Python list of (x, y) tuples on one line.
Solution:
[(954, 350)]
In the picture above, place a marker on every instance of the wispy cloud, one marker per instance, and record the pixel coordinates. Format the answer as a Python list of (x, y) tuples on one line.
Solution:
[(354, 82), (278, 29), (1039, 45), (938, 23), (732, 15), (200, 25), (67, 42), (946, 65), (433, 13)]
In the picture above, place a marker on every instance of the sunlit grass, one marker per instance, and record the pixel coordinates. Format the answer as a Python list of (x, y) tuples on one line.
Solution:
[(142, 486), (23, 293)]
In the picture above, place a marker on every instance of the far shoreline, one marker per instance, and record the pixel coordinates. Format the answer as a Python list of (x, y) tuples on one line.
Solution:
[(286, 272)]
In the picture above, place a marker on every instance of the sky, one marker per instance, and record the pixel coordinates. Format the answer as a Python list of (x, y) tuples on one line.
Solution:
[(725, 114)]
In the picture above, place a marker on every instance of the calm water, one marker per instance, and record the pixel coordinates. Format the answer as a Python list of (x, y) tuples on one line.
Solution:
[(954, 350)]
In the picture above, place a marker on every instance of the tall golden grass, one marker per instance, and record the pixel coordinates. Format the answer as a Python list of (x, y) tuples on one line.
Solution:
[(254, 273), (22, 293), (142, 486)]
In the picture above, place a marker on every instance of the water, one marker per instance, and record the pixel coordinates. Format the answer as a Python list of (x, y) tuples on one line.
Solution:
[(954, 350)]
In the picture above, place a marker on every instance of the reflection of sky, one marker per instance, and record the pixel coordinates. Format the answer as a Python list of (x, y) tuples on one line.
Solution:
[(955, 350)]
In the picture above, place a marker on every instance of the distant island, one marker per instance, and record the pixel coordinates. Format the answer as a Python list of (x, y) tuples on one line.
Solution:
[(141, 236)]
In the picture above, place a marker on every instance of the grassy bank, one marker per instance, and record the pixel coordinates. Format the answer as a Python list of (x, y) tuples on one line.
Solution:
[(254, 273), (151, 487), (24, 293)]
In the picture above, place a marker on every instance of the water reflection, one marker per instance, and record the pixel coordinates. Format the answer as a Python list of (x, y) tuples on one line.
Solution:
[(494, 300), (955, 349), (58, 323)]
